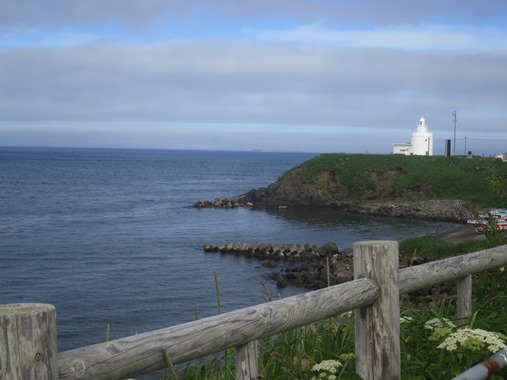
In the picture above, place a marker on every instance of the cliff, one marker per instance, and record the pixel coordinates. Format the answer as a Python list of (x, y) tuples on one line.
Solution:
[(291, 191), (435, 187)]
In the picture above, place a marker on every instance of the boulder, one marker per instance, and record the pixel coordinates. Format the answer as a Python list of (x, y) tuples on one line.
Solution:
[(280, 280), (328, 250)]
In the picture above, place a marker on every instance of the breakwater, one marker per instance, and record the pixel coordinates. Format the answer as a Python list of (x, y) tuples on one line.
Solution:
[(274, 251), (307, 265), (222, 203)]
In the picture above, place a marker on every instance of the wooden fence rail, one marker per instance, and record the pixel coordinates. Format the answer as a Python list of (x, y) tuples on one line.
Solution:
[(28, 341)]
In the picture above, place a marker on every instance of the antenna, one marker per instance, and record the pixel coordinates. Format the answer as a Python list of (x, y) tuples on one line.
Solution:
[(454, 122)]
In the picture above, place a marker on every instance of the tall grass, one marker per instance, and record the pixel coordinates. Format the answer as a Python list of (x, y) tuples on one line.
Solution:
[(435, 248), (297, 354), (325, 350)]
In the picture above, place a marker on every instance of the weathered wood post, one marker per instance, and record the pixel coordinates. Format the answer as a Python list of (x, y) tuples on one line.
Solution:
[(378, 325), (28, 347), (464, 299), (247, 361)]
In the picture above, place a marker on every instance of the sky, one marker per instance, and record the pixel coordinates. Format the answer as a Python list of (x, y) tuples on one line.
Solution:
[(290, 75)]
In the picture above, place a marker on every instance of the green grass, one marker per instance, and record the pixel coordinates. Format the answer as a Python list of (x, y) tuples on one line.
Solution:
[(481, 181), (435, 248), (293, 354), (432, 246)]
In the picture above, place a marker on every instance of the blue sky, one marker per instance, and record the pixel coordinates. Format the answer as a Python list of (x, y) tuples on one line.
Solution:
[(320, 76)]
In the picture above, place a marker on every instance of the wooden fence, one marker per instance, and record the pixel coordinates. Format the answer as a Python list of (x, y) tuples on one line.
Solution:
[(28, 345)]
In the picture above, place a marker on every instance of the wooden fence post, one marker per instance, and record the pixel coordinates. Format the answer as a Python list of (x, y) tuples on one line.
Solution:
[(247, 361), (28, 347), (378, 325), (464, 299)]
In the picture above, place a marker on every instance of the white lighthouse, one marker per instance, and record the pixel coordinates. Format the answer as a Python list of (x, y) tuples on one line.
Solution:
[(421, 143), (422, 140)]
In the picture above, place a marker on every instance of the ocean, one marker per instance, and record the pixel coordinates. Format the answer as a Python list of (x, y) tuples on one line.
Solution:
[(110, 237)]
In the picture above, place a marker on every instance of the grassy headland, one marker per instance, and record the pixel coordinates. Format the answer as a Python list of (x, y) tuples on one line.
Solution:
[(436, 187), (481, 181)]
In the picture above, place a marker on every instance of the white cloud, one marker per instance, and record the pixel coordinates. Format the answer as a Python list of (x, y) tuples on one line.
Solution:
[(220, 81), (346, 66), (403, 37)]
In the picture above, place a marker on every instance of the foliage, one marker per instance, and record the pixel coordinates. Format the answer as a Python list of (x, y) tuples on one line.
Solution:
[(436, 248), (293, 354), (432, 344), (481, 181), (431, 350), (432, 347)]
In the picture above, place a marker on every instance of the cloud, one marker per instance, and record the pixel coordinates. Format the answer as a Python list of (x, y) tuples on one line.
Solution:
[(138, 14), (347, 67), (400, 37), (222, 81)]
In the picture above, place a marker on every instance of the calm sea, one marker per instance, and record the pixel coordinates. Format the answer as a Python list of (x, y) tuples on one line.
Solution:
[(109, 236)]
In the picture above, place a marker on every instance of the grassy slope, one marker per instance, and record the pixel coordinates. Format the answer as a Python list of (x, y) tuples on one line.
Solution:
[(481, 181)]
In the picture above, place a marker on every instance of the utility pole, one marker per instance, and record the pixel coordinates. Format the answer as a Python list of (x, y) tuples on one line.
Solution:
[(454, 121)]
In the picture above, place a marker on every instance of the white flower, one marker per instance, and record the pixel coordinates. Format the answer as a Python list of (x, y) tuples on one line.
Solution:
[(474, 340), (330, 366), (437, 323), (406, 320)]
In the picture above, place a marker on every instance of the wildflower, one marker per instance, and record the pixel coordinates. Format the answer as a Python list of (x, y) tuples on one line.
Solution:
[(327, 369), (437, 323), (439, 328), (406, 320), (473, 340)]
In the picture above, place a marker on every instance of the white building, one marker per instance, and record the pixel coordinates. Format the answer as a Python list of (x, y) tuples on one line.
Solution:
[(421, 143), (503, 157)]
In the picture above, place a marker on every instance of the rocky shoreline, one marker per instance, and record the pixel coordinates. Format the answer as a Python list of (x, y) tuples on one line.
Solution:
[(457, 211), (307, 266), (314, 267)]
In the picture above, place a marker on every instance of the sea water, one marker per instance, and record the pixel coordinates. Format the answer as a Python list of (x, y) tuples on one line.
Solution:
[(110, 237)]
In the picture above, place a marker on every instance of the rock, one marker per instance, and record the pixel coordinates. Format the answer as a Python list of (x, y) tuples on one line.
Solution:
[(348, 253), (280, 280), (222, 203), (344, 276), (340, 266), (329, 249), (323, 276)]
